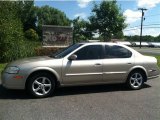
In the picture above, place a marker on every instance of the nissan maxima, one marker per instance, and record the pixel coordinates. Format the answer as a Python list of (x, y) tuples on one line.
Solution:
[(80, 64)]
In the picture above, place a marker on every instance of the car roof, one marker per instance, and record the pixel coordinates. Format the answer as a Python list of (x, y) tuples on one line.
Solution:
[(92, 43), (100, 43)]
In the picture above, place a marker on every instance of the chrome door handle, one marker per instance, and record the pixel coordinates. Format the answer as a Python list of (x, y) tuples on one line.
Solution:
[(129, 63), (97, 64)]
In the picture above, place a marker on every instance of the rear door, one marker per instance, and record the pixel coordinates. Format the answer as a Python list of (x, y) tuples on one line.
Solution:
[(116, 64)]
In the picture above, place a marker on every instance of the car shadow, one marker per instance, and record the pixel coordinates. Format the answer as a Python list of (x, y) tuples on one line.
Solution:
[(22, 94)]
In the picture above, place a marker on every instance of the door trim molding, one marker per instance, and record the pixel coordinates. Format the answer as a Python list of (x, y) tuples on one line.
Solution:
[(122, 72), (83, 74)]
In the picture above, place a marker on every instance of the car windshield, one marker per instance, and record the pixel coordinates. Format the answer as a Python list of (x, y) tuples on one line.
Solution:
[(65, 51)]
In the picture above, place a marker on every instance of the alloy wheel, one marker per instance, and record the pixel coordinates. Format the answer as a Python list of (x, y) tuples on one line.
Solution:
[(136, 80), (41, 86)]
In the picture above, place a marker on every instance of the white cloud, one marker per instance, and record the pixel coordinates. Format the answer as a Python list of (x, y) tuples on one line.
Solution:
[(132, 16), (147, 3), (83, 3), (81, 15), (134, 31)]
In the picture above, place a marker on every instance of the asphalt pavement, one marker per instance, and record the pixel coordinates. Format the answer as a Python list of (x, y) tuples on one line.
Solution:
[(101, 102)]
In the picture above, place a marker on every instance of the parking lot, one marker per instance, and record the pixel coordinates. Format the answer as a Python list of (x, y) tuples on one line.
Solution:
[(102, 102)]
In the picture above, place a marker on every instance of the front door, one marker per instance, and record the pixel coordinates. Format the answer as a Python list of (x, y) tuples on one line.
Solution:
[(86, 69)]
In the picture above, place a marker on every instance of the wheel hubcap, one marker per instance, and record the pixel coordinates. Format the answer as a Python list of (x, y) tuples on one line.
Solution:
[(136, 80), (41, 86)]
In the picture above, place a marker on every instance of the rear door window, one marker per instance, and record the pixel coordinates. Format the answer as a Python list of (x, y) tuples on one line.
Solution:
[(115, 51)]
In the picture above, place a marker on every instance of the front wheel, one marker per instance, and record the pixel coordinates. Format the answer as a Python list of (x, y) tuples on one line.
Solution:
[(136, 80), (41, 85)]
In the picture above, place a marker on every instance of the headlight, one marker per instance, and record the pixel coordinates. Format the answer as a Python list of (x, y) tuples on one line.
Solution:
[(12, 70)]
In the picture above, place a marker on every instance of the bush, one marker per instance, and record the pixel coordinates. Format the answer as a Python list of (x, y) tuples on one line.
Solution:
[(31, 35), (11, 33), (29, 48), (41, 51), (13, 44)]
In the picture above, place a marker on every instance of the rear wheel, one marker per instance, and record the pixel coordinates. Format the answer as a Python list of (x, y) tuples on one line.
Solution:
[(136, 80), (41, 85)]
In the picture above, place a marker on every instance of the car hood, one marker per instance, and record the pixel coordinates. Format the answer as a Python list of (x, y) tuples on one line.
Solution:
[(29, 60)]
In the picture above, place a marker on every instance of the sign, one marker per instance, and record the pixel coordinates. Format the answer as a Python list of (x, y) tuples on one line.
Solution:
[(57, 35)]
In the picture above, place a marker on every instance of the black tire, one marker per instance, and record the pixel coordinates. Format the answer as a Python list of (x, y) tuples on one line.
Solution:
[(135, 80), (36, 89)]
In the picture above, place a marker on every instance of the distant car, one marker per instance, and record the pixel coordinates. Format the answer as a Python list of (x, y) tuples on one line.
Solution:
[(81, 64), (155, 44), (133, 44), (151, 45)]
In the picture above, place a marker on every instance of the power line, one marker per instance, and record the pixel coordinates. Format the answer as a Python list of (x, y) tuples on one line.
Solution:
[(152, 15), (145, 25), (133, 17), (139, 28), (146, 16)]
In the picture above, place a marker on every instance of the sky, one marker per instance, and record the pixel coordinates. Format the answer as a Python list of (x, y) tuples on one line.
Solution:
[(82, 8)]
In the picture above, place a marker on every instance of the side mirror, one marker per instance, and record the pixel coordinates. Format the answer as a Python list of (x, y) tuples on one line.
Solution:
[(72, 57)]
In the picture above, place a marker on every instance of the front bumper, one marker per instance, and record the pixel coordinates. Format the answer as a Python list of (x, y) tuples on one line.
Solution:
[(10, 82)]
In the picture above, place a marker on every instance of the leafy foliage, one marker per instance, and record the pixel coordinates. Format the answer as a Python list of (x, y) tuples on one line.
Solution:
[(31, 35), (157, 39), (42, 51), (29, 48), (13, 44), (158, 60), (147, 38), (107, 19), (2, 66), (51, 16), (11, 33), (27, 14), (81, 30), (18, 37)]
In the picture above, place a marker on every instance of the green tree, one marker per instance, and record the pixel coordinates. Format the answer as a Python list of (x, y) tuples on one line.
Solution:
[(11, 32), (107, 19), (81, 30), (27, 14), (146, 38), (50, 16), (157, 39), (118, 35), (31, 35)]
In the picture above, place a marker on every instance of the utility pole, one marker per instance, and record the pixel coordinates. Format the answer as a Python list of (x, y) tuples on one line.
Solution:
[(142, 9)]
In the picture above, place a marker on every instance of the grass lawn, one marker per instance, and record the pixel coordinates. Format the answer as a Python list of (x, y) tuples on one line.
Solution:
[(158, 60), (2, 66)]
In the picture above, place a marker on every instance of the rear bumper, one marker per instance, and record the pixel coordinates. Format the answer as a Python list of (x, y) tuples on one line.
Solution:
[(153, 73), (152, 77)]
